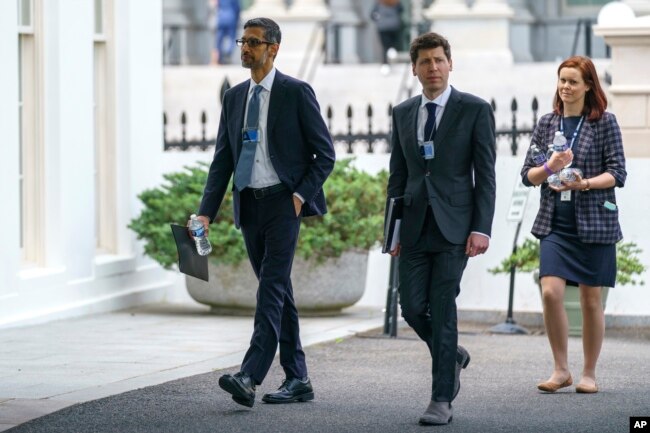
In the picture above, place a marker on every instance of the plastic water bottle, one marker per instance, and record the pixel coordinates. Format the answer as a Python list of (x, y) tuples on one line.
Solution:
[(538, 156), (549, 153), (554, 180), (570, 174), (559, 142), (203, 246)]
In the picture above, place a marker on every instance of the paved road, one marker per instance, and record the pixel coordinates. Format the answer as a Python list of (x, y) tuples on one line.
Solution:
[(368, 383)]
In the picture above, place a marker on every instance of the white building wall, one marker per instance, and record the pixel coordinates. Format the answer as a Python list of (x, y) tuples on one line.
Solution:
[(9, 251), (69, 137), (74, 279)]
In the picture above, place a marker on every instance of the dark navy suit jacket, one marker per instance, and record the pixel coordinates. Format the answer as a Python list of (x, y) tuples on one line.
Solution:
[(300, 146)]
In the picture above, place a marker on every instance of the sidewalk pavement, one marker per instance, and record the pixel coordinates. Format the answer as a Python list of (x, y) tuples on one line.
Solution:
[(363, 383), (44, 368)]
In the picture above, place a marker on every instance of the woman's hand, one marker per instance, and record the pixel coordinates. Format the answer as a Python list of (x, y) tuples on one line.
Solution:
[(576, 185), (559, 160)]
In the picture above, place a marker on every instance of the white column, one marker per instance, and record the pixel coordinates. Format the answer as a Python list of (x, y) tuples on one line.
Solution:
[(630, 90), (346, 20), (520, 31), (265, 8), (446, 9), (9, 173), (495, 7), (309, 8), (480, 33)]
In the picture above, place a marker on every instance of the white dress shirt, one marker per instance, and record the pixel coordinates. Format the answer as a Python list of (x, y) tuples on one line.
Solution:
[(263, 172)]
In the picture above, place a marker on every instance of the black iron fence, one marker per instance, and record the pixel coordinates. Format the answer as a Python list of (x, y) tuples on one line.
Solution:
[(370, 140), (516, 133)]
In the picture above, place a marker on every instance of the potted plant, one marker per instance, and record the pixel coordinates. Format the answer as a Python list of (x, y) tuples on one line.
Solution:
[(331, 256), (526, 259)]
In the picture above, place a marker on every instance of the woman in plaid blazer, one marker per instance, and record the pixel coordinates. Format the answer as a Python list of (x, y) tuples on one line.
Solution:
[(577, 221)]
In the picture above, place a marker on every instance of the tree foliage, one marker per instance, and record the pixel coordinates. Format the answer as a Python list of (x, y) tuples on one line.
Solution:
[(355, 201)]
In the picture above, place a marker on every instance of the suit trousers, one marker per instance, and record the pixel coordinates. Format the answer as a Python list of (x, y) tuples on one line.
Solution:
[(270, 228), (430, 274)]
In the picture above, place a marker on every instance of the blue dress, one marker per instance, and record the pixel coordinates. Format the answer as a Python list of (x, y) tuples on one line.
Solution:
[(563, 255)]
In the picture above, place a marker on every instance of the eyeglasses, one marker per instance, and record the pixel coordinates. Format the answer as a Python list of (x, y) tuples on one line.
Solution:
[(252, 42)]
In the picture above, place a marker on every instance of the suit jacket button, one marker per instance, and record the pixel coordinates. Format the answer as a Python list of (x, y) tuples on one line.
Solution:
[(427, 173)]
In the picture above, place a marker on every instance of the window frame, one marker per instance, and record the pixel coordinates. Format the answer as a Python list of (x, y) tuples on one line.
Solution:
[(105, 177), (31, 148)]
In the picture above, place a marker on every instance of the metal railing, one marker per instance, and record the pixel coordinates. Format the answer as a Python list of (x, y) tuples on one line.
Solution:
[(372, 139)]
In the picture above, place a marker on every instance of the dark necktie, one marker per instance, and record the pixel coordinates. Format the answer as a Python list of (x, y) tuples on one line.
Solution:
[(430, 125), (245, 162)]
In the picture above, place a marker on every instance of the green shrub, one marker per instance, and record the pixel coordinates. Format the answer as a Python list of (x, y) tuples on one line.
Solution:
[(526, 259), (355, 201)]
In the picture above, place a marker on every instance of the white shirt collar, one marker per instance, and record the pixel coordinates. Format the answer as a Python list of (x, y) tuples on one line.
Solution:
[(267, 82), (441, 100)]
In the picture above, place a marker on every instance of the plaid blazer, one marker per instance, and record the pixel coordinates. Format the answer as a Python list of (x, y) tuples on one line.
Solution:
[(599, 149)]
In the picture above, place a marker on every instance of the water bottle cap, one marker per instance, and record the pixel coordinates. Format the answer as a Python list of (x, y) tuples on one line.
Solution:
[(193, 216), (558, 133)]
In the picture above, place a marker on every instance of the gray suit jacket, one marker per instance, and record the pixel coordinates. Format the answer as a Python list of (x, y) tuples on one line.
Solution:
[(459, 183)]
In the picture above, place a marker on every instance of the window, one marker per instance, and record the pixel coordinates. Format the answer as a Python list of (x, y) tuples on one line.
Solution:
[(25, 8), (31, 159), (99, 17), (105, 178)]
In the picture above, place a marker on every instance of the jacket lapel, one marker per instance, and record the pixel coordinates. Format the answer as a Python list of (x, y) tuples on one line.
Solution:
[(452, 110), (278, 92), (585, 138), (239, 111), (412, 147)]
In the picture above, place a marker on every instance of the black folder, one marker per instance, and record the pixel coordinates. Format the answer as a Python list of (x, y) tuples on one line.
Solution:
[(392, 221), (189, 260)]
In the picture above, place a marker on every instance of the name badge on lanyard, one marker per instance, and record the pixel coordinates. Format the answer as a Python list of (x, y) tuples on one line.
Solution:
[(565, 195), (427, 150), (250, 134)]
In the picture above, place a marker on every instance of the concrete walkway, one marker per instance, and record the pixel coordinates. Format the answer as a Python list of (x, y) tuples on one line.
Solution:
[(364, 383), (47, 367)]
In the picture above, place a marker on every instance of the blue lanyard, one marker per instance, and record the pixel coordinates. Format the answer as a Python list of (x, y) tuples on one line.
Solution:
[(575, 133)]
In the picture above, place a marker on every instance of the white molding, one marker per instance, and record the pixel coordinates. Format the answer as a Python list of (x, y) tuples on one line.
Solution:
[(107, 265)]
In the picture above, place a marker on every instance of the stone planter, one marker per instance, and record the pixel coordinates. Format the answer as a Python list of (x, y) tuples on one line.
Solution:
[(319, 289), (572, 305)]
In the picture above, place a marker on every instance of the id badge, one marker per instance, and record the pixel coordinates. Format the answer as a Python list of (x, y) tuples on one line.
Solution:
[(250, 134), (565, 195), (426, 150)]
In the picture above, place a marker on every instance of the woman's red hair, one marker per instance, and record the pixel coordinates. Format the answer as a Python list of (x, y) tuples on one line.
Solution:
[(595, 99)]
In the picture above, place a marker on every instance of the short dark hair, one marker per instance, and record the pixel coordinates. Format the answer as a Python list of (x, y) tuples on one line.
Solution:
[(272, 31), (427, 41), (595, 99)]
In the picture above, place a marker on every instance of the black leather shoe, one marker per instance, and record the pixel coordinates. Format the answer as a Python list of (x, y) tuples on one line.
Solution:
[(241, 386), (462, 361), (290, 391)]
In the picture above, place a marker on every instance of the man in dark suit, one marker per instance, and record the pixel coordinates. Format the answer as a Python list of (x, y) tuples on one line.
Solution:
[(442, 162), (272, 137)]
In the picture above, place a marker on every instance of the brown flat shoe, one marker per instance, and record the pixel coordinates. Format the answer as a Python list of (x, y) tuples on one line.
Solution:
[(586, 389), (552, 386)]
